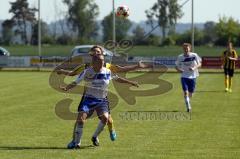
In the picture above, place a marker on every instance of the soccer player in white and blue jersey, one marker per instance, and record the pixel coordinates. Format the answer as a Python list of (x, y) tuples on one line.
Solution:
[(97, 78), (187, 64), (114, 69)]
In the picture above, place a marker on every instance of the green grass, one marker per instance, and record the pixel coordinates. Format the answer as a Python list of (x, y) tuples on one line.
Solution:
[(31, 130), (60, 50)]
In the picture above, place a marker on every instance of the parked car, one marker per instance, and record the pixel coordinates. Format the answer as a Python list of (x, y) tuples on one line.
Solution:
[(4, 52), (84, 50)]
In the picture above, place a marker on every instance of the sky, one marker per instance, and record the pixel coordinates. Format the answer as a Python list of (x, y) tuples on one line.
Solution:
[(204, 10)]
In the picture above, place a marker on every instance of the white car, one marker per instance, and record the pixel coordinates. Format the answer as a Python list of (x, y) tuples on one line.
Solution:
[(84, 50), (4, 52)]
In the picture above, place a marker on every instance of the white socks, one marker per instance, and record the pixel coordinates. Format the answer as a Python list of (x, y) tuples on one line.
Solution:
[(78, 133), (187, 101), (99, 129)]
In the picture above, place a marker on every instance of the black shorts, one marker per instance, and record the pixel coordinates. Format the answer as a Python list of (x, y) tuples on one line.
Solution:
[(228, 72)]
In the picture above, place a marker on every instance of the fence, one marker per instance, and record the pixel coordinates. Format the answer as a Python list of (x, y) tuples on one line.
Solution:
[(51, 62)]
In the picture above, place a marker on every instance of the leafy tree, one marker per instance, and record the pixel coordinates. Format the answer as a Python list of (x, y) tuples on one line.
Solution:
[(198, 37), (167, 12), (44, 32), (82, 18), (153, 40), (168, 41), (7, 32), (122, 27), (187, 36), (64, 40), (22, 16), (47, 39), (227, 29), (138, 35), (210, 35), (174, 13), (184, 37)]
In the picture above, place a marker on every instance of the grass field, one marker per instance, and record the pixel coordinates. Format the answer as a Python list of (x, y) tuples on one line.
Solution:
[(30, 128), (60, 50)]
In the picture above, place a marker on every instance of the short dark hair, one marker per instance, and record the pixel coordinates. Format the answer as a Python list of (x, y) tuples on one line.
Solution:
[(94, 47), (187, 44)]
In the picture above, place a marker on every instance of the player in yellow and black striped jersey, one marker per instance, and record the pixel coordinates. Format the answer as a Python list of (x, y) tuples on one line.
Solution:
[(229, 58), (114, 69)]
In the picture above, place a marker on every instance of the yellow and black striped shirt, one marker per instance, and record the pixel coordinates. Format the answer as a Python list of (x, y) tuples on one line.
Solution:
[(227, 63), (112, 67)]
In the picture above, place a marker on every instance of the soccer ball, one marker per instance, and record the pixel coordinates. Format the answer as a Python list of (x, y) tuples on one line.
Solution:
[(123, 11)]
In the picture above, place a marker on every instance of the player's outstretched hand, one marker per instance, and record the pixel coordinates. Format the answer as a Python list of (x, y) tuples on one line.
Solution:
[(59, 72), (63, 88), (180, 70), (231, 58), (135, 84), (143, 65), (192, 68)]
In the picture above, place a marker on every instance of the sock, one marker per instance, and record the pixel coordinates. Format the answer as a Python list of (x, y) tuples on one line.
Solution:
[(78, 133), (75, 125), (110, 124), (99, 129), (226, 82), (187, 101), (230, 83)]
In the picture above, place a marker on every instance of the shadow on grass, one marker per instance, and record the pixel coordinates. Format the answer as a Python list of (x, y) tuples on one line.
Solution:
[(161, 111), (210, 91), (41, 148)]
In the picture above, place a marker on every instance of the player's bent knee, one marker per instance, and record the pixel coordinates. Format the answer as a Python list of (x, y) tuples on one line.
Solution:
[(190, 95), (81, 119), (104, 118), (81, 122)]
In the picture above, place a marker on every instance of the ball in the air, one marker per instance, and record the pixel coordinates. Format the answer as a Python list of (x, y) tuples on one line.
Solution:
[(123, 11)]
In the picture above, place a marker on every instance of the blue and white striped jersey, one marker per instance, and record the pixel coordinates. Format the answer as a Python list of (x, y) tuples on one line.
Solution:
[(96, 83), (185, 62)]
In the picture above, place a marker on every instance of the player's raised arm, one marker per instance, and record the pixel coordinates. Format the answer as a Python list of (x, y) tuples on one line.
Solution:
[(73, 72), (70, 86), (235, 56), (140, 65), (65, 72), (124, 80), (74, 83)]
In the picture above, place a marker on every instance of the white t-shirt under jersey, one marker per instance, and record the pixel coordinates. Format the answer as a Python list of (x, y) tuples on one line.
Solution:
[(185, 62)]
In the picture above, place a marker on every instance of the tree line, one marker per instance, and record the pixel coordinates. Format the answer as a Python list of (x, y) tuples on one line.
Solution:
[(81, 20)]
